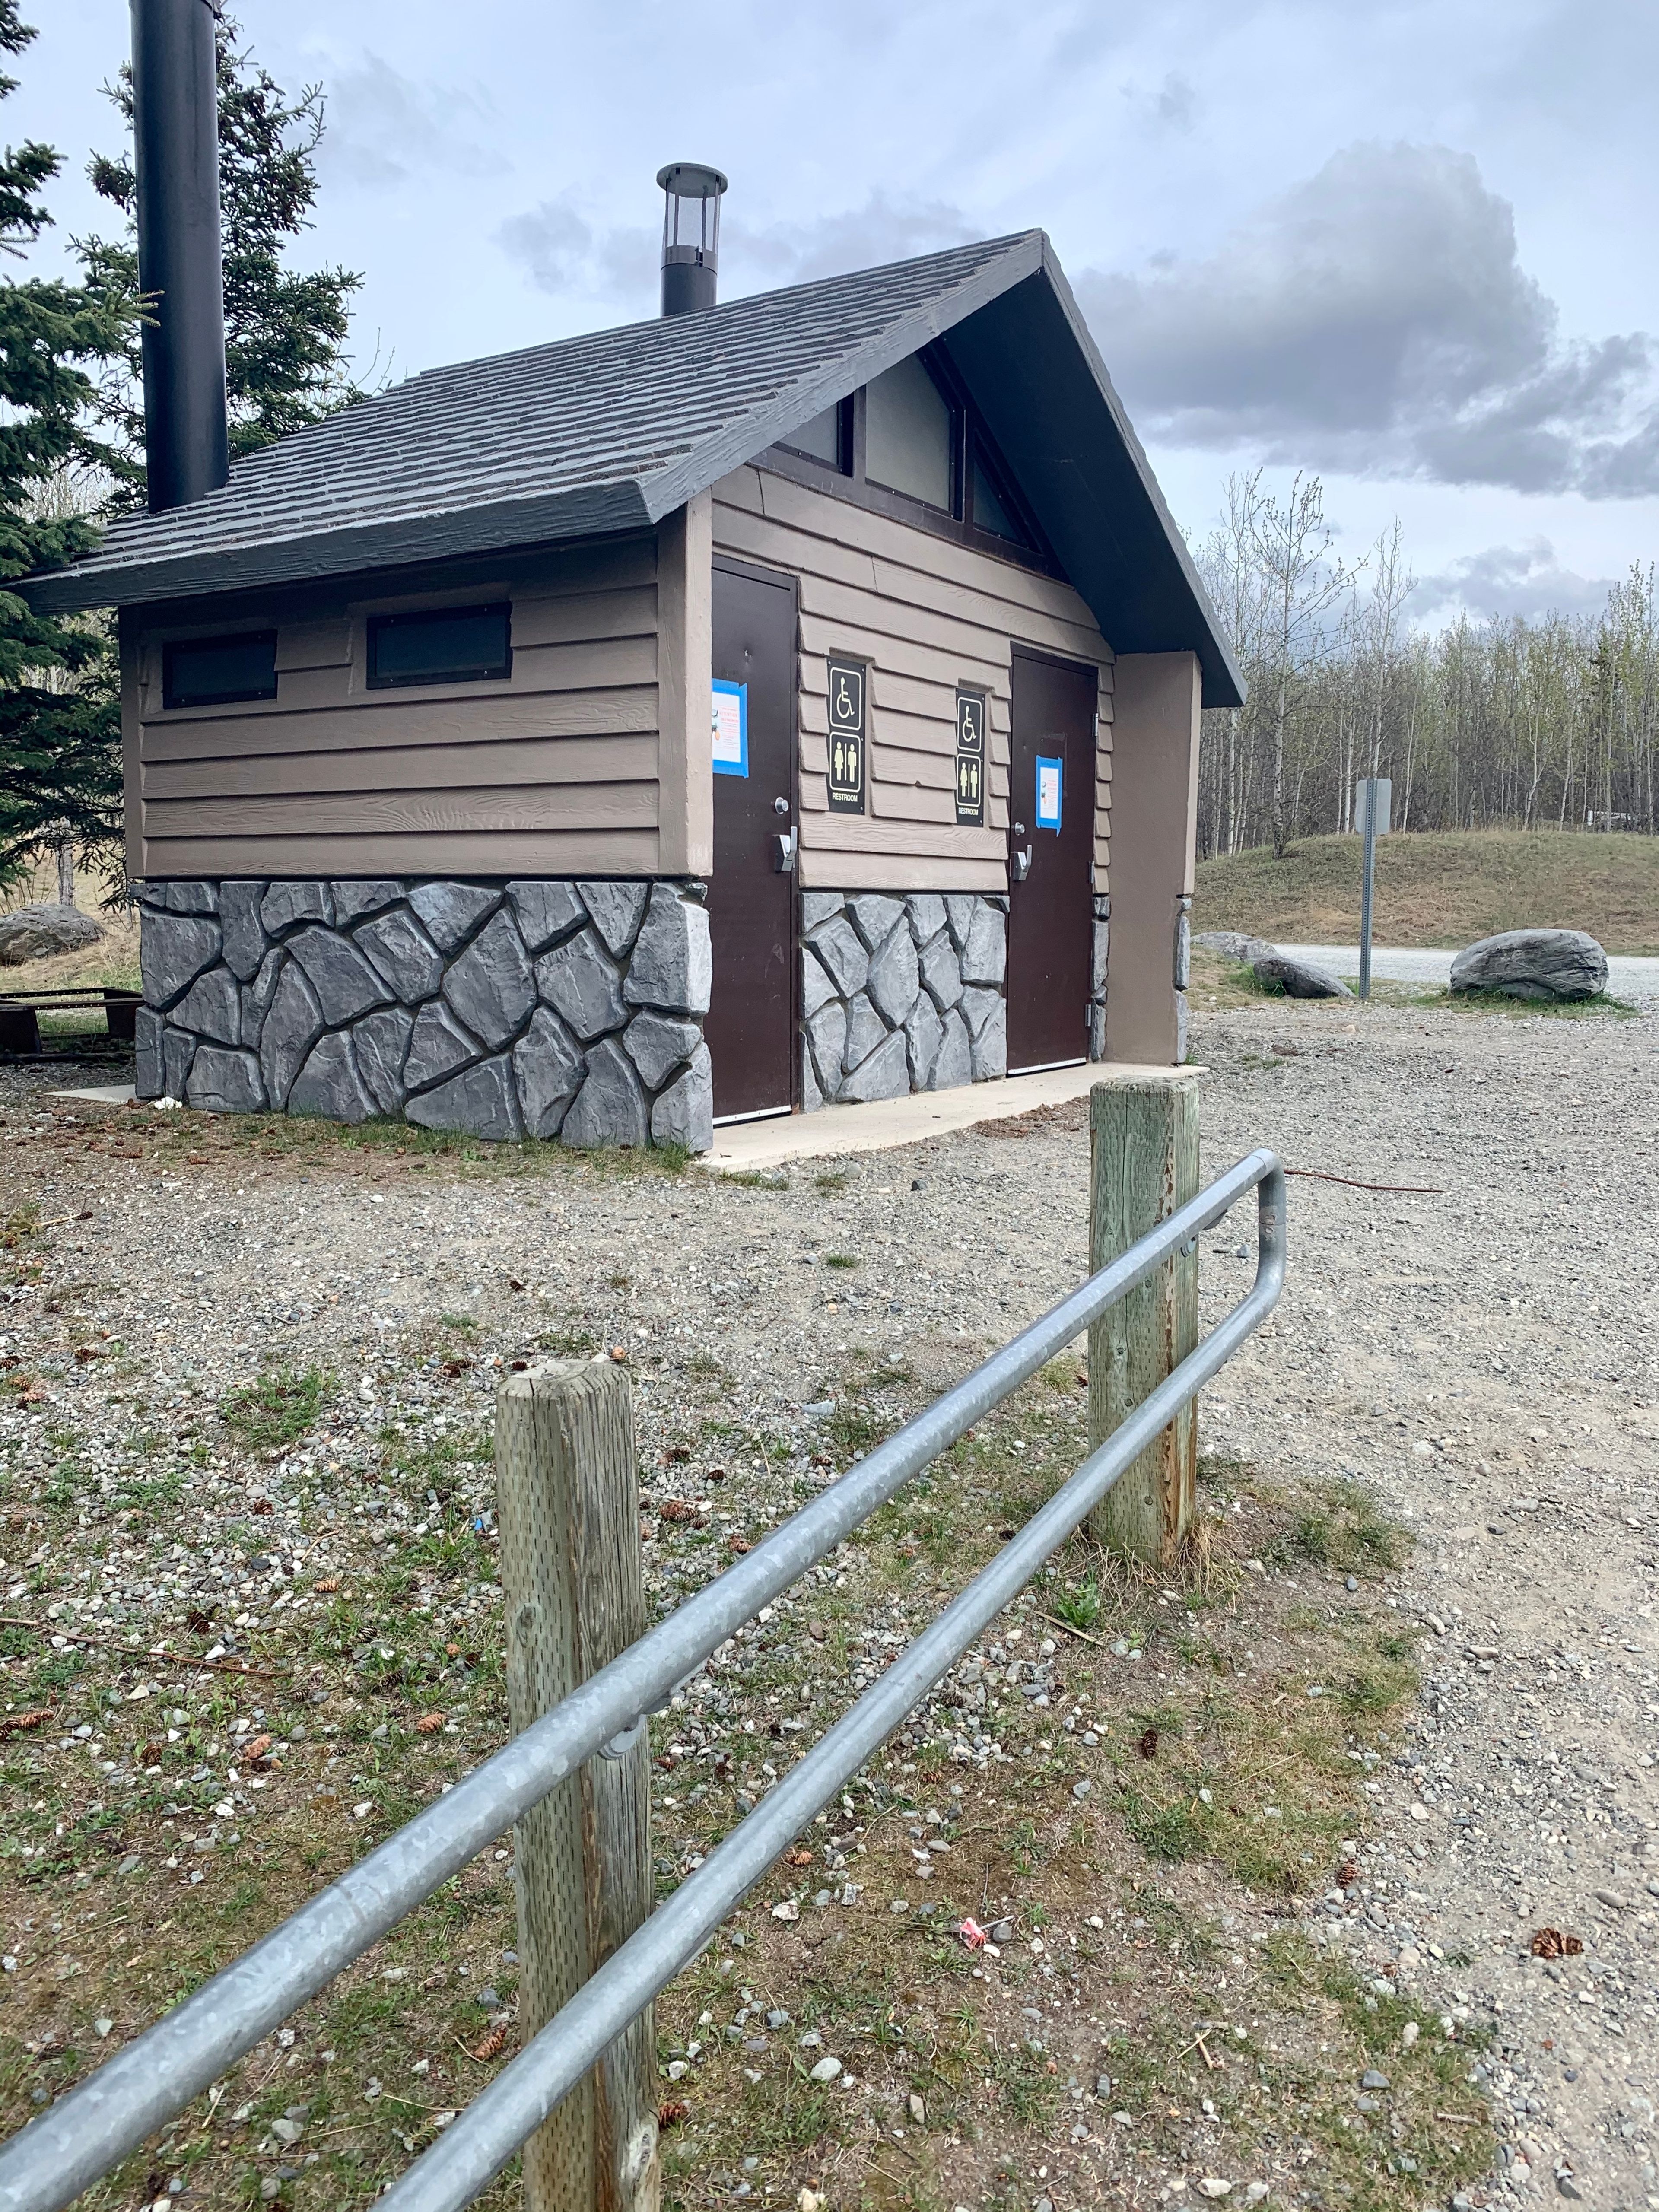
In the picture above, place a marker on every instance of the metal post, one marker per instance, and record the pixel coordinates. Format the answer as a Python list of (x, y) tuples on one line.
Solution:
[(1367, 883), (573, 1587), (1144, 1164)]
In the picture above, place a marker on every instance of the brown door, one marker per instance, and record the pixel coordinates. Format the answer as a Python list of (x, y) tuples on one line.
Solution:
[(1051, 815), (751, 907)]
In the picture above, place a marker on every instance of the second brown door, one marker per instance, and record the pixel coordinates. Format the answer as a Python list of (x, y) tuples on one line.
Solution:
[(1051, 815), (750, 1027)]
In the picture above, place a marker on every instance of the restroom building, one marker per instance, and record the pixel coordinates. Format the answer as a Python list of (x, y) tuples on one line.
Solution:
[(785, 700)]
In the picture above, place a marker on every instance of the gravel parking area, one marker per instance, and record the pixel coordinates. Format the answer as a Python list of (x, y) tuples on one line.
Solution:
[(1479, 1351)]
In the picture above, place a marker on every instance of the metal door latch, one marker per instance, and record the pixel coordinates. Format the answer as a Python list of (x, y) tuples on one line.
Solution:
[(1023, 863), (783, 852)]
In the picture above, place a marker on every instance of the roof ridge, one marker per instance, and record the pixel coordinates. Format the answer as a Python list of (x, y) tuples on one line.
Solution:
[(984, 247)]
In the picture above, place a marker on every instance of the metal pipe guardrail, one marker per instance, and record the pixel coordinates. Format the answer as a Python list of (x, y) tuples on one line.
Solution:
[(91, 2129)]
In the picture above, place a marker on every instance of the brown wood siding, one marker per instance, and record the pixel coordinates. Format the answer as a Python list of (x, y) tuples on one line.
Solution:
[(926, 614), (555, 771)]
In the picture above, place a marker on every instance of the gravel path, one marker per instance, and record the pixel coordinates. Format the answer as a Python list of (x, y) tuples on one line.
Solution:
[(1486, 1356)]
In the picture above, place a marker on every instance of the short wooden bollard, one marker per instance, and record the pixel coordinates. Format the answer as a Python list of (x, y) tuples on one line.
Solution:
[(572, 1588), (1142, 1140)]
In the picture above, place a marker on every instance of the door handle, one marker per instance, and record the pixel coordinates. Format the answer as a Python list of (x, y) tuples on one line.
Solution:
[(1023, 863), (783, 853)]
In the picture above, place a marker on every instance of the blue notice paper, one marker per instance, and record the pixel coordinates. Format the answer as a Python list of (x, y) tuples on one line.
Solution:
[(729, 728), (1050, 778)]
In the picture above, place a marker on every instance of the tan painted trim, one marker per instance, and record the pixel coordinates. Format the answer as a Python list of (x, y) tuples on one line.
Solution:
[(684, 661), (1154, 796)]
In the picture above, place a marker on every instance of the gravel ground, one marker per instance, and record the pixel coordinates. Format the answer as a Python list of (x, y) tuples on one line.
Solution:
[(1482, 1353)]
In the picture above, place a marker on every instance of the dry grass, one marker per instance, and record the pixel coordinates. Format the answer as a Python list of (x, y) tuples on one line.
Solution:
[(1237, 1710), (1441, 889)]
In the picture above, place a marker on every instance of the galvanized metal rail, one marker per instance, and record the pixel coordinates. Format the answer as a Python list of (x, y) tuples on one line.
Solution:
[(95, 2125)]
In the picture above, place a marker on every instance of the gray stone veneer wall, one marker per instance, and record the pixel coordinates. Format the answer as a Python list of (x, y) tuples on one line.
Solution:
[(1102, 932), (532, 1009), (901, 994)]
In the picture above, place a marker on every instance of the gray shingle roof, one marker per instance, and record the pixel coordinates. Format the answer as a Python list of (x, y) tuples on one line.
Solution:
[(611, 432), (608, 431)]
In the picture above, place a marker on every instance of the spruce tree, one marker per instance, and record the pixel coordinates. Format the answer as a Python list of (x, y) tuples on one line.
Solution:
[(285, 330), (60, 759)]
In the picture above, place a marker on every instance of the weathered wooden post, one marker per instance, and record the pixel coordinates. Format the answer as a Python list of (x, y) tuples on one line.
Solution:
[(572, 1588), (1143, 1140)]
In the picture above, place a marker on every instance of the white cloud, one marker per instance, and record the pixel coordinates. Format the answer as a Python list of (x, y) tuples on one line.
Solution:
[(385, 128), (1375, 319), (1508, 580)]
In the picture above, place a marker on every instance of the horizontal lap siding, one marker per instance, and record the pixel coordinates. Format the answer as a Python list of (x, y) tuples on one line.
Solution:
[(554, 772), (927, 615)]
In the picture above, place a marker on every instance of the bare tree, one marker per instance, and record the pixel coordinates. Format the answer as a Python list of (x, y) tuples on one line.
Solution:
[(1302, 577)]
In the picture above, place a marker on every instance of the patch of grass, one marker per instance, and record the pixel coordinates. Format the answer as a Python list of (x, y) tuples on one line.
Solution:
[(1505, 1002), (1079, 1608), (829, 1183), (842, 1260), (1440, 887), (1347, 1533), (279, 1407)]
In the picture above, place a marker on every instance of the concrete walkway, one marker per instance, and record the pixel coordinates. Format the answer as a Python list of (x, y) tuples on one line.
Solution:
[(749, 1147), (1628, 977)]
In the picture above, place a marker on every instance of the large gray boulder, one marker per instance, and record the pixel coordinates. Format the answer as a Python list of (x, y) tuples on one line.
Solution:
[(1298, 978), (1534, 963), (1233, 944), (35, 933)]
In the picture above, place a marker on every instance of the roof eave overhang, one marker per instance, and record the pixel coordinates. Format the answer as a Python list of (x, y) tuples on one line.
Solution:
[(601, 510)]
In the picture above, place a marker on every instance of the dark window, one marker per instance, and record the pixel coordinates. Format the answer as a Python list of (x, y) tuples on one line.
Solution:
[(440, 644), (211, 671), (825, 437), (990, 512), (909, 434)]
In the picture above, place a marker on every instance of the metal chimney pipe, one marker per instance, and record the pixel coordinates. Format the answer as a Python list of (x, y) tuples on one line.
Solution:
[(691, 235), (175, 136)]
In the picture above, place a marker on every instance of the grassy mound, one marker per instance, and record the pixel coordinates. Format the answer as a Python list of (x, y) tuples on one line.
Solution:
[(1441, 889)]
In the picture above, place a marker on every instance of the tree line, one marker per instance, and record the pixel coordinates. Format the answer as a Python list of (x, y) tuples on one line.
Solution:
[(71, 421), (1525, 723)]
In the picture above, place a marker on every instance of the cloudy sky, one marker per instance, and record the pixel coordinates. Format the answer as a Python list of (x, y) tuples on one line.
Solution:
[(1409, 245)]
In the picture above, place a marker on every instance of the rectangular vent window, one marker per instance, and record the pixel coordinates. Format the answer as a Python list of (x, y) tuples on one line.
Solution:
[(213, 672), (441, 644)]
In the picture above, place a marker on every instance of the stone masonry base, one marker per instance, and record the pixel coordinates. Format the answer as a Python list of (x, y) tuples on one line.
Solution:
[(526, 1009), (901, 993)]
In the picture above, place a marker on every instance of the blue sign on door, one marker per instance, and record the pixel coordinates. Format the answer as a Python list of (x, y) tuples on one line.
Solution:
[(1050, 778), (729, 728)]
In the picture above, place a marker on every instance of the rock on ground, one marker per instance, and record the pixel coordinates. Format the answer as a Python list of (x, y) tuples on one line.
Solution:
[(35, 933), (1234, 945), (1534, 963), (1300, 979)]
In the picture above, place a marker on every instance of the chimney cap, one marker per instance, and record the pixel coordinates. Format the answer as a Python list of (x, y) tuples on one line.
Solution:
[(691, 180)]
